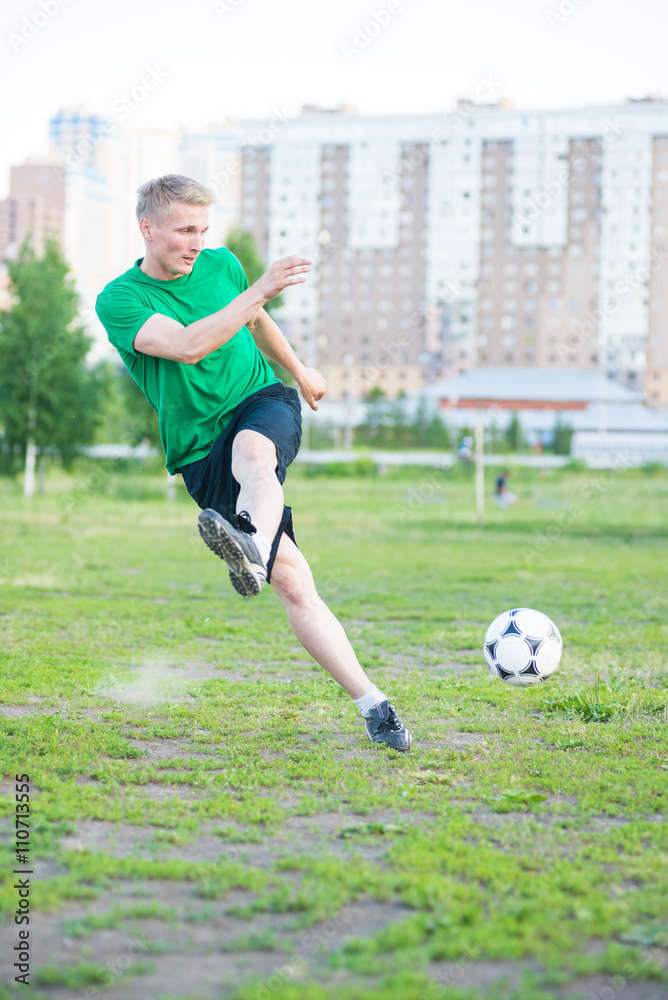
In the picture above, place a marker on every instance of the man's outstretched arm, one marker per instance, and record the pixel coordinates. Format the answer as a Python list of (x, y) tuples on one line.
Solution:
[(272, 342), (164, 337)]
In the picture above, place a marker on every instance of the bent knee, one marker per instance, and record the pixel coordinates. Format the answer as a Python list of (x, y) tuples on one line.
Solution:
[(254, 448), (294, 585)]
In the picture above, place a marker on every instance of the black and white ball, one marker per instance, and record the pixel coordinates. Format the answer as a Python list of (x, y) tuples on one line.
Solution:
[(522, 647)]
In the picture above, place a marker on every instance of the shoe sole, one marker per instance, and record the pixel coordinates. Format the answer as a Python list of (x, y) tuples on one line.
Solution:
[(226, 547), (391, 745)]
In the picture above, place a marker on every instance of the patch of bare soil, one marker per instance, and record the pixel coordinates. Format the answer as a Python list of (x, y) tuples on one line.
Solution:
[(167, 749), (339, 834), (616, 987), (204, 950), (21, 711), (468, 973)]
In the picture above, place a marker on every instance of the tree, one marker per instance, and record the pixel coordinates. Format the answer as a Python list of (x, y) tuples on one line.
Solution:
[(245, 249), (128, 417), (513, 433), (49, 400), (563, 435)]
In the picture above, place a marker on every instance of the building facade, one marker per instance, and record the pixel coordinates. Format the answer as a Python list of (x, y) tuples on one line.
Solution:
[(487, 235)]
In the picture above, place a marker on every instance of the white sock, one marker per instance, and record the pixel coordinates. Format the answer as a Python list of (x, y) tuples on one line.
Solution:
[(369, 700), (263, 546)]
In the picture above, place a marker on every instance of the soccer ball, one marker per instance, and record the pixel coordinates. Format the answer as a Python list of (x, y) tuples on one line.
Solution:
[(522, 647)]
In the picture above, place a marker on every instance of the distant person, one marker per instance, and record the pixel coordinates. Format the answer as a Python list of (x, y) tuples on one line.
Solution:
[(465, 449), (194, 337), (502, 494)]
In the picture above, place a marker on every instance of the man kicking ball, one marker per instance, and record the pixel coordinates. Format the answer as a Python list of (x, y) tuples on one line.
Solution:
[(193, 335)]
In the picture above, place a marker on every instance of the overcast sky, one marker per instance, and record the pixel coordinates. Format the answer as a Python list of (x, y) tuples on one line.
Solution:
[(207, 60)]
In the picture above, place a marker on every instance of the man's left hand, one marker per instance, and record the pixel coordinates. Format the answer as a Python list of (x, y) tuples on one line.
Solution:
[(312, 386)]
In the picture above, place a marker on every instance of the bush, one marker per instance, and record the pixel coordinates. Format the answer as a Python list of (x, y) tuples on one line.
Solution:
[(576, 465), (654, 469), (361, 467)]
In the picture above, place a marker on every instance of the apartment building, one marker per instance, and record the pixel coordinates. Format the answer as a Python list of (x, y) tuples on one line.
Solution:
[(486, 235)]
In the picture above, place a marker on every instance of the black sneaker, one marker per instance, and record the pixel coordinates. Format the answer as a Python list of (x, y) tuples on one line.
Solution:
[(383, 725), (232, 542)]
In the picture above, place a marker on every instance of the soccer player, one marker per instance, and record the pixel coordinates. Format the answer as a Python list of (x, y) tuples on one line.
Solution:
[(193, 335), (503, 496)]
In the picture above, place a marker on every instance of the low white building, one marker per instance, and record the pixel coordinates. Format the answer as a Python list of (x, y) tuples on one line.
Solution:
[(607, 418)]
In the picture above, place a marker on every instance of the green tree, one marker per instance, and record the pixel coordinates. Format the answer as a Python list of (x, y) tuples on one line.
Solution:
[(245, 249), (513, 433), (128, 417), (47, 394), (429, 431), (563, 435)]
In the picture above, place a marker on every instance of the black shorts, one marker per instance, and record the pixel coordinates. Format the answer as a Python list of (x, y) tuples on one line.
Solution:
[(275, 412)]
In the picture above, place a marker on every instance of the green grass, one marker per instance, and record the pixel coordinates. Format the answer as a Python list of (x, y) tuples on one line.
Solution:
[(232, 779)]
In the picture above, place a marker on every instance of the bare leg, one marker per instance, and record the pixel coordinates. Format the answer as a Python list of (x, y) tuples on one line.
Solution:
[(254, 468), (319, 632), (316, 628)]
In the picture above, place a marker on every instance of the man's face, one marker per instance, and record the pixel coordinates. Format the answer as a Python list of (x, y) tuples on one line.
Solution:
[(173, 245)]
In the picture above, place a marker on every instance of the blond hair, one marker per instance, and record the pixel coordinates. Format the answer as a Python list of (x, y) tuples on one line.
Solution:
[(156, 197)]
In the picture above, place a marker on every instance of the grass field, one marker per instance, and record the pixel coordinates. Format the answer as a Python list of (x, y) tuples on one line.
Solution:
[(208, 816)]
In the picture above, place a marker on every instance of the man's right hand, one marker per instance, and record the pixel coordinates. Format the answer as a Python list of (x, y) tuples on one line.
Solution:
[(288, 271)]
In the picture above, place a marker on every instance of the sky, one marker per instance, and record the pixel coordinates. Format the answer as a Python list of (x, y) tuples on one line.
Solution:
[(191, 65)]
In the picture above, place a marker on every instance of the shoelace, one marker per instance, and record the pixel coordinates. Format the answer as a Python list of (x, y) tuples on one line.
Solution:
[(243, 522), (393, 721)]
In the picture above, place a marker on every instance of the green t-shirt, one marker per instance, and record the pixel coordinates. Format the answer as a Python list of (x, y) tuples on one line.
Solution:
[(194, 402)]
